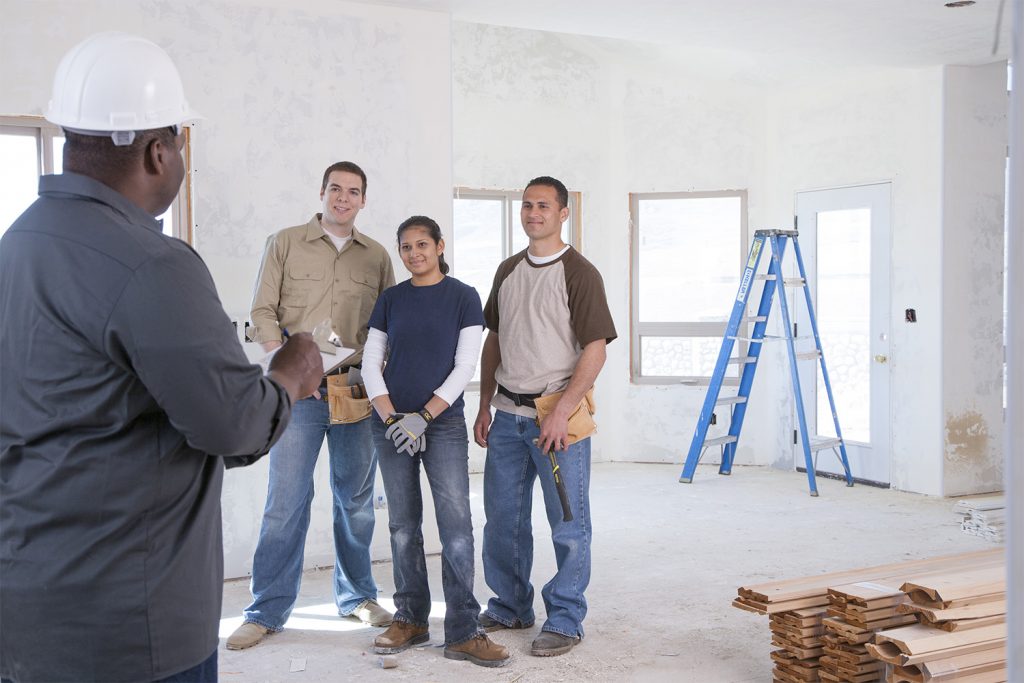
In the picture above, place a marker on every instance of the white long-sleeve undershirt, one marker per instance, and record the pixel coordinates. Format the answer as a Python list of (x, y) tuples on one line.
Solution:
[(467, 351)]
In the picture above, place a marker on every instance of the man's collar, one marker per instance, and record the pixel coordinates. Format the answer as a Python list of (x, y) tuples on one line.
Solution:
[(76, 184), (315, 231)]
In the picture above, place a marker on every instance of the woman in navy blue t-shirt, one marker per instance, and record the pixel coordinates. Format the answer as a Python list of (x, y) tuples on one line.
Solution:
[(429, 329)]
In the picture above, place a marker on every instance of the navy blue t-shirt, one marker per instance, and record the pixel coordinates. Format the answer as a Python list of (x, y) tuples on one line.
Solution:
[(423, 325)]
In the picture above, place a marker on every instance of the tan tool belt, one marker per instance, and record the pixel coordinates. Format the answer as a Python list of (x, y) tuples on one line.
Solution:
[(348, 403), (581, 421)]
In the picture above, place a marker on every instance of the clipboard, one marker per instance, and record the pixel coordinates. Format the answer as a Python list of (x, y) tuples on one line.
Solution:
[(257, 356)]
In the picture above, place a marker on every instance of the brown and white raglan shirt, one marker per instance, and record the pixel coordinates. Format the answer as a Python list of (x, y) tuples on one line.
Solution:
[(544, 314)]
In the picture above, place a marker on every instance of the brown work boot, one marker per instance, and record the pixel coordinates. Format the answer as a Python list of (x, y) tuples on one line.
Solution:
[(401, 635), (489, 623), (370, 612), (247, 635), (480, 650), (551, 644)]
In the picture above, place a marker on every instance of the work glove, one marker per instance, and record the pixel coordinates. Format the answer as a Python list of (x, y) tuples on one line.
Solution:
[(406, 430)]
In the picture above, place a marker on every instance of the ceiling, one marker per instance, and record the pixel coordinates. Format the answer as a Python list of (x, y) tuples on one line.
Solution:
[(851, 33)]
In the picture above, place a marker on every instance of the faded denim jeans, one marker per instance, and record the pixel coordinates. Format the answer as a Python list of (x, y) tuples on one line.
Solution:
[(513, 464), (277, 565), (446, 462)]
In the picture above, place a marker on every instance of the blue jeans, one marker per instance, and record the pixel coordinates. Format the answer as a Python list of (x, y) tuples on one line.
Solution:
[(446, 462), (277, 565), (513, 463)]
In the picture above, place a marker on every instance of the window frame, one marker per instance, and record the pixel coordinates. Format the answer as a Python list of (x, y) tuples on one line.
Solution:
[(45, 133), (639, 329)]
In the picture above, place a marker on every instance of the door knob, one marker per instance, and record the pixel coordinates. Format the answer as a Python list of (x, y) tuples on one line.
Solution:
[(881, 359)]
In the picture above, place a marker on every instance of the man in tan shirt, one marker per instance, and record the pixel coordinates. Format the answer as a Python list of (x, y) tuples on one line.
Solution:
[(323, 270)]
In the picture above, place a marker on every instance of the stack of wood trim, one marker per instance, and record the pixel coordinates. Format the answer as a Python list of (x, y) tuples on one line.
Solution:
[(855, 612), (798, 635), (964, 637), (862, 600), (985, 517)]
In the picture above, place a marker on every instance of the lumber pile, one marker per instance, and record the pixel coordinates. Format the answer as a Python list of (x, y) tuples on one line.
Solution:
[(822, 625), (962, 634), (985, 517)]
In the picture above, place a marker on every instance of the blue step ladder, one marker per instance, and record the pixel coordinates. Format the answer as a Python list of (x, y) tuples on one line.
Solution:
[(777, 240)]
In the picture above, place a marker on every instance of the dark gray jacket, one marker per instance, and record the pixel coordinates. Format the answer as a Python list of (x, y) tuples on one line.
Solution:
[(123, 393)]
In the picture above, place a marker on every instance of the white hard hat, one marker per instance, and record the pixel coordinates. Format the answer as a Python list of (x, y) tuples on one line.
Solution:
[(115, 84)]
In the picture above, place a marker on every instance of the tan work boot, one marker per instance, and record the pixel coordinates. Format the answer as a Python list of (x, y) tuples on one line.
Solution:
[(247, 635), (480, 650), (400, 636), (369, 612)]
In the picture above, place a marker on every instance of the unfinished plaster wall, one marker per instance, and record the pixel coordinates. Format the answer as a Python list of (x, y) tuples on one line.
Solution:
[(286, 91), (974, 138)]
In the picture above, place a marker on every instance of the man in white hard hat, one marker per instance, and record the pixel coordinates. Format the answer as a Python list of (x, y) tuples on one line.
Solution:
[(125, 394)]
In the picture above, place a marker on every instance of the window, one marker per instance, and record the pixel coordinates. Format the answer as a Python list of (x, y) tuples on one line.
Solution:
[(486, 230), (30, 147), (687, 252)]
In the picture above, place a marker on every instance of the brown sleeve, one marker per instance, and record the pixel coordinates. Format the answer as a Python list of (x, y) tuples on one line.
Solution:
[(491, 307), (588, 305)]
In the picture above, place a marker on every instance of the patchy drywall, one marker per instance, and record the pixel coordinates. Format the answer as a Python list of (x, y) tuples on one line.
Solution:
[(969, 445)]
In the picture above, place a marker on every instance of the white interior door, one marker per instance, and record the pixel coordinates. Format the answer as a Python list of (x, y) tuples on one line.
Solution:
[(844, 240)]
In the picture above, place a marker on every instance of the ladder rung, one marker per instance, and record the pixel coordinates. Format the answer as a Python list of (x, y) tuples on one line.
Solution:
[(764, 276), (779, 336), (749, 340), (822, 444), (730, 400), (742, 360), (809, 355), (794, 281), (755, 319), (720, 440)]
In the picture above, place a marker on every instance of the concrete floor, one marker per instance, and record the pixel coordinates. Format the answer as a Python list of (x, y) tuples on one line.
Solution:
[(668, 558)]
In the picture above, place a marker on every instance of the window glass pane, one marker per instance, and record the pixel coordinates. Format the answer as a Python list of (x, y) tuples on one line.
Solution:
[(476, 248), (168, 221), (519, 239), (689, 258), (844, 320), (19, 176), (58, 154), (682, 357)]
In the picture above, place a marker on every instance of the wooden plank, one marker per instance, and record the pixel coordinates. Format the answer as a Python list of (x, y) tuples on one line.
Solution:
[(956, 585), (955, 668), (977, 611)]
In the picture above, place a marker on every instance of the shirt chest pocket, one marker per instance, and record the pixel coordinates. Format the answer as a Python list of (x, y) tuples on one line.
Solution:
[(300, 281)]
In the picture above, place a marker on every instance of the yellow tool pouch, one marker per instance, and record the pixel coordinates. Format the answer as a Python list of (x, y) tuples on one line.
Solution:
[(348, 404), (581, 421)]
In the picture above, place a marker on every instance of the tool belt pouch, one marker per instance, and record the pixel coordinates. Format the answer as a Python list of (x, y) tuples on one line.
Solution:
[(348, 404), (581, 421)]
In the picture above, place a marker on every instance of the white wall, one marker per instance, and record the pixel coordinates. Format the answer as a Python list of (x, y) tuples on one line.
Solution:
[(974, 155), (286, 91)]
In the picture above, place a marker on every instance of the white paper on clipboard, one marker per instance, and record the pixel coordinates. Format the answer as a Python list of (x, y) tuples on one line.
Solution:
[(256, 355)]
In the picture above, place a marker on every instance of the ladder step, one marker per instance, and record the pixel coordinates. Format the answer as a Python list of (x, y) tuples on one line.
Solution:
[(720, 440), (755, 319), (822, 444), (730, 400), (794, 282), (742, 360), (749, 340), (809, 355), (764, 276)]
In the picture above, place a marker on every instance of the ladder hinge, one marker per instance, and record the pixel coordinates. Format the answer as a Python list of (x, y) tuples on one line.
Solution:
[(714, 419), (795, 221), (794, 437), (794, 330)]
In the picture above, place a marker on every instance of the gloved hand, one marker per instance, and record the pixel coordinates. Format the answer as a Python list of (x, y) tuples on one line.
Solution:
[(407, 431)]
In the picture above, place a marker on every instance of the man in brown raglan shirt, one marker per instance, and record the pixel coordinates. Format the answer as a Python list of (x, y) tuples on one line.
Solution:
[(548, 323)]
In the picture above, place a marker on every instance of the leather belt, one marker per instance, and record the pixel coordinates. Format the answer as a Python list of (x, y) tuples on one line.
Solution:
[(519, 399)]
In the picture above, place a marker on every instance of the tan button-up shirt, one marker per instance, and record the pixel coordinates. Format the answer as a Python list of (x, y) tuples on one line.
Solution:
[(304, 279)]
